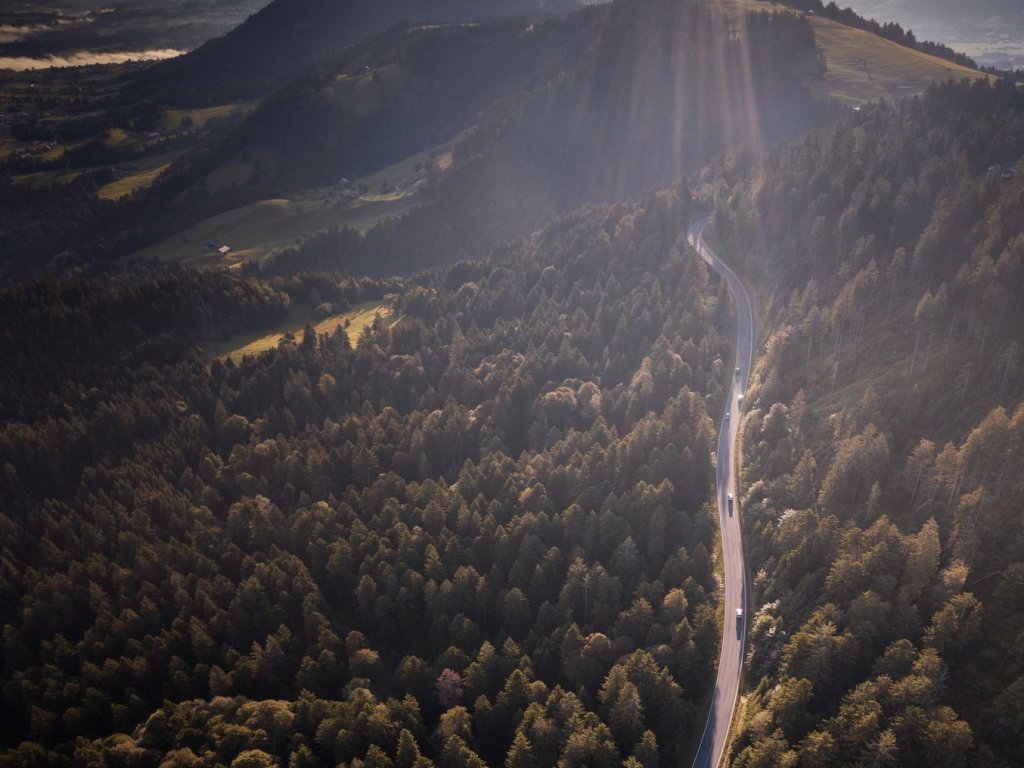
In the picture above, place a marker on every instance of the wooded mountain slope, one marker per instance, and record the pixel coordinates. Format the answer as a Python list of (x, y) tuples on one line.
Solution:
[(639, 94), (287, 37), (594, 107), (884, 437), (480, 535)]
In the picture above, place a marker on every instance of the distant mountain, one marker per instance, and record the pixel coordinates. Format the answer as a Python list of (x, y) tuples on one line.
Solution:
[(76, 29), (977, 10), (630, 95), (596, 106), (593, 106), (288, 36)]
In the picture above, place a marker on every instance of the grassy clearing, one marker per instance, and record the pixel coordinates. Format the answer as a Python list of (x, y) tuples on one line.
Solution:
[(256, 230), (149, 169), (361, 93), (355, 321), (365, 93), (53, 154), (41, 178), (403, 174), (862, 66), (127, 185), (240, 168), (173, 118), (116, 136), (235, 171)]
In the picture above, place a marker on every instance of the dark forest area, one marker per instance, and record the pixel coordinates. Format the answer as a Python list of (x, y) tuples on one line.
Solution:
[(481, 534)]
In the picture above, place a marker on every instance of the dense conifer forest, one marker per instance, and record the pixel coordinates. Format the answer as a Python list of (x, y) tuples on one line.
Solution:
[(884, 438), (482, 534)]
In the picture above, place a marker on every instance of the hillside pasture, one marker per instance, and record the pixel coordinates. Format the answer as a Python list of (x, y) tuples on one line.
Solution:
[(365, 92), (354, 322), (256, 230), (148, 169), (861, 66), (173, 118)]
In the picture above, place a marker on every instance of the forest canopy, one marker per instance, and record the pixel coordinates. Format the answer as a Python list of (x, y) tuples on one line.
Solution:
[(479, 536), (885, 435), (483, 531)]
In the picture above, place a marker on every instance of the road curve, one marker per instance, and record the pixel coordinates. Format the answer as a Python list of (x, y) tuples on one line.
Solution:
[(730, 662)]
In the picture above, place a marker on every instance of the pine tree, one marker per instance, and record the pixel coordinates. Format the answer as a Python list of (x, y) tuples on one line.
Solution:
[(407, 751), (646, 750), (626, 715), (520, 754)]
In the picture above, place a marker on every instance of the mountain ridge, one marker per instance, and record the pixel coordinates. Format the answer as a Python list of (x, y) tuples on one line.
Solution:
[(286, 37)]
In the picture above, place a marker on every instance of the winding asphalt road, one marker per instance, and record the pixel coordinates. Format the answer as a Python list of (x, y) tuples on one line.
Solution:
[(730, 663)]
